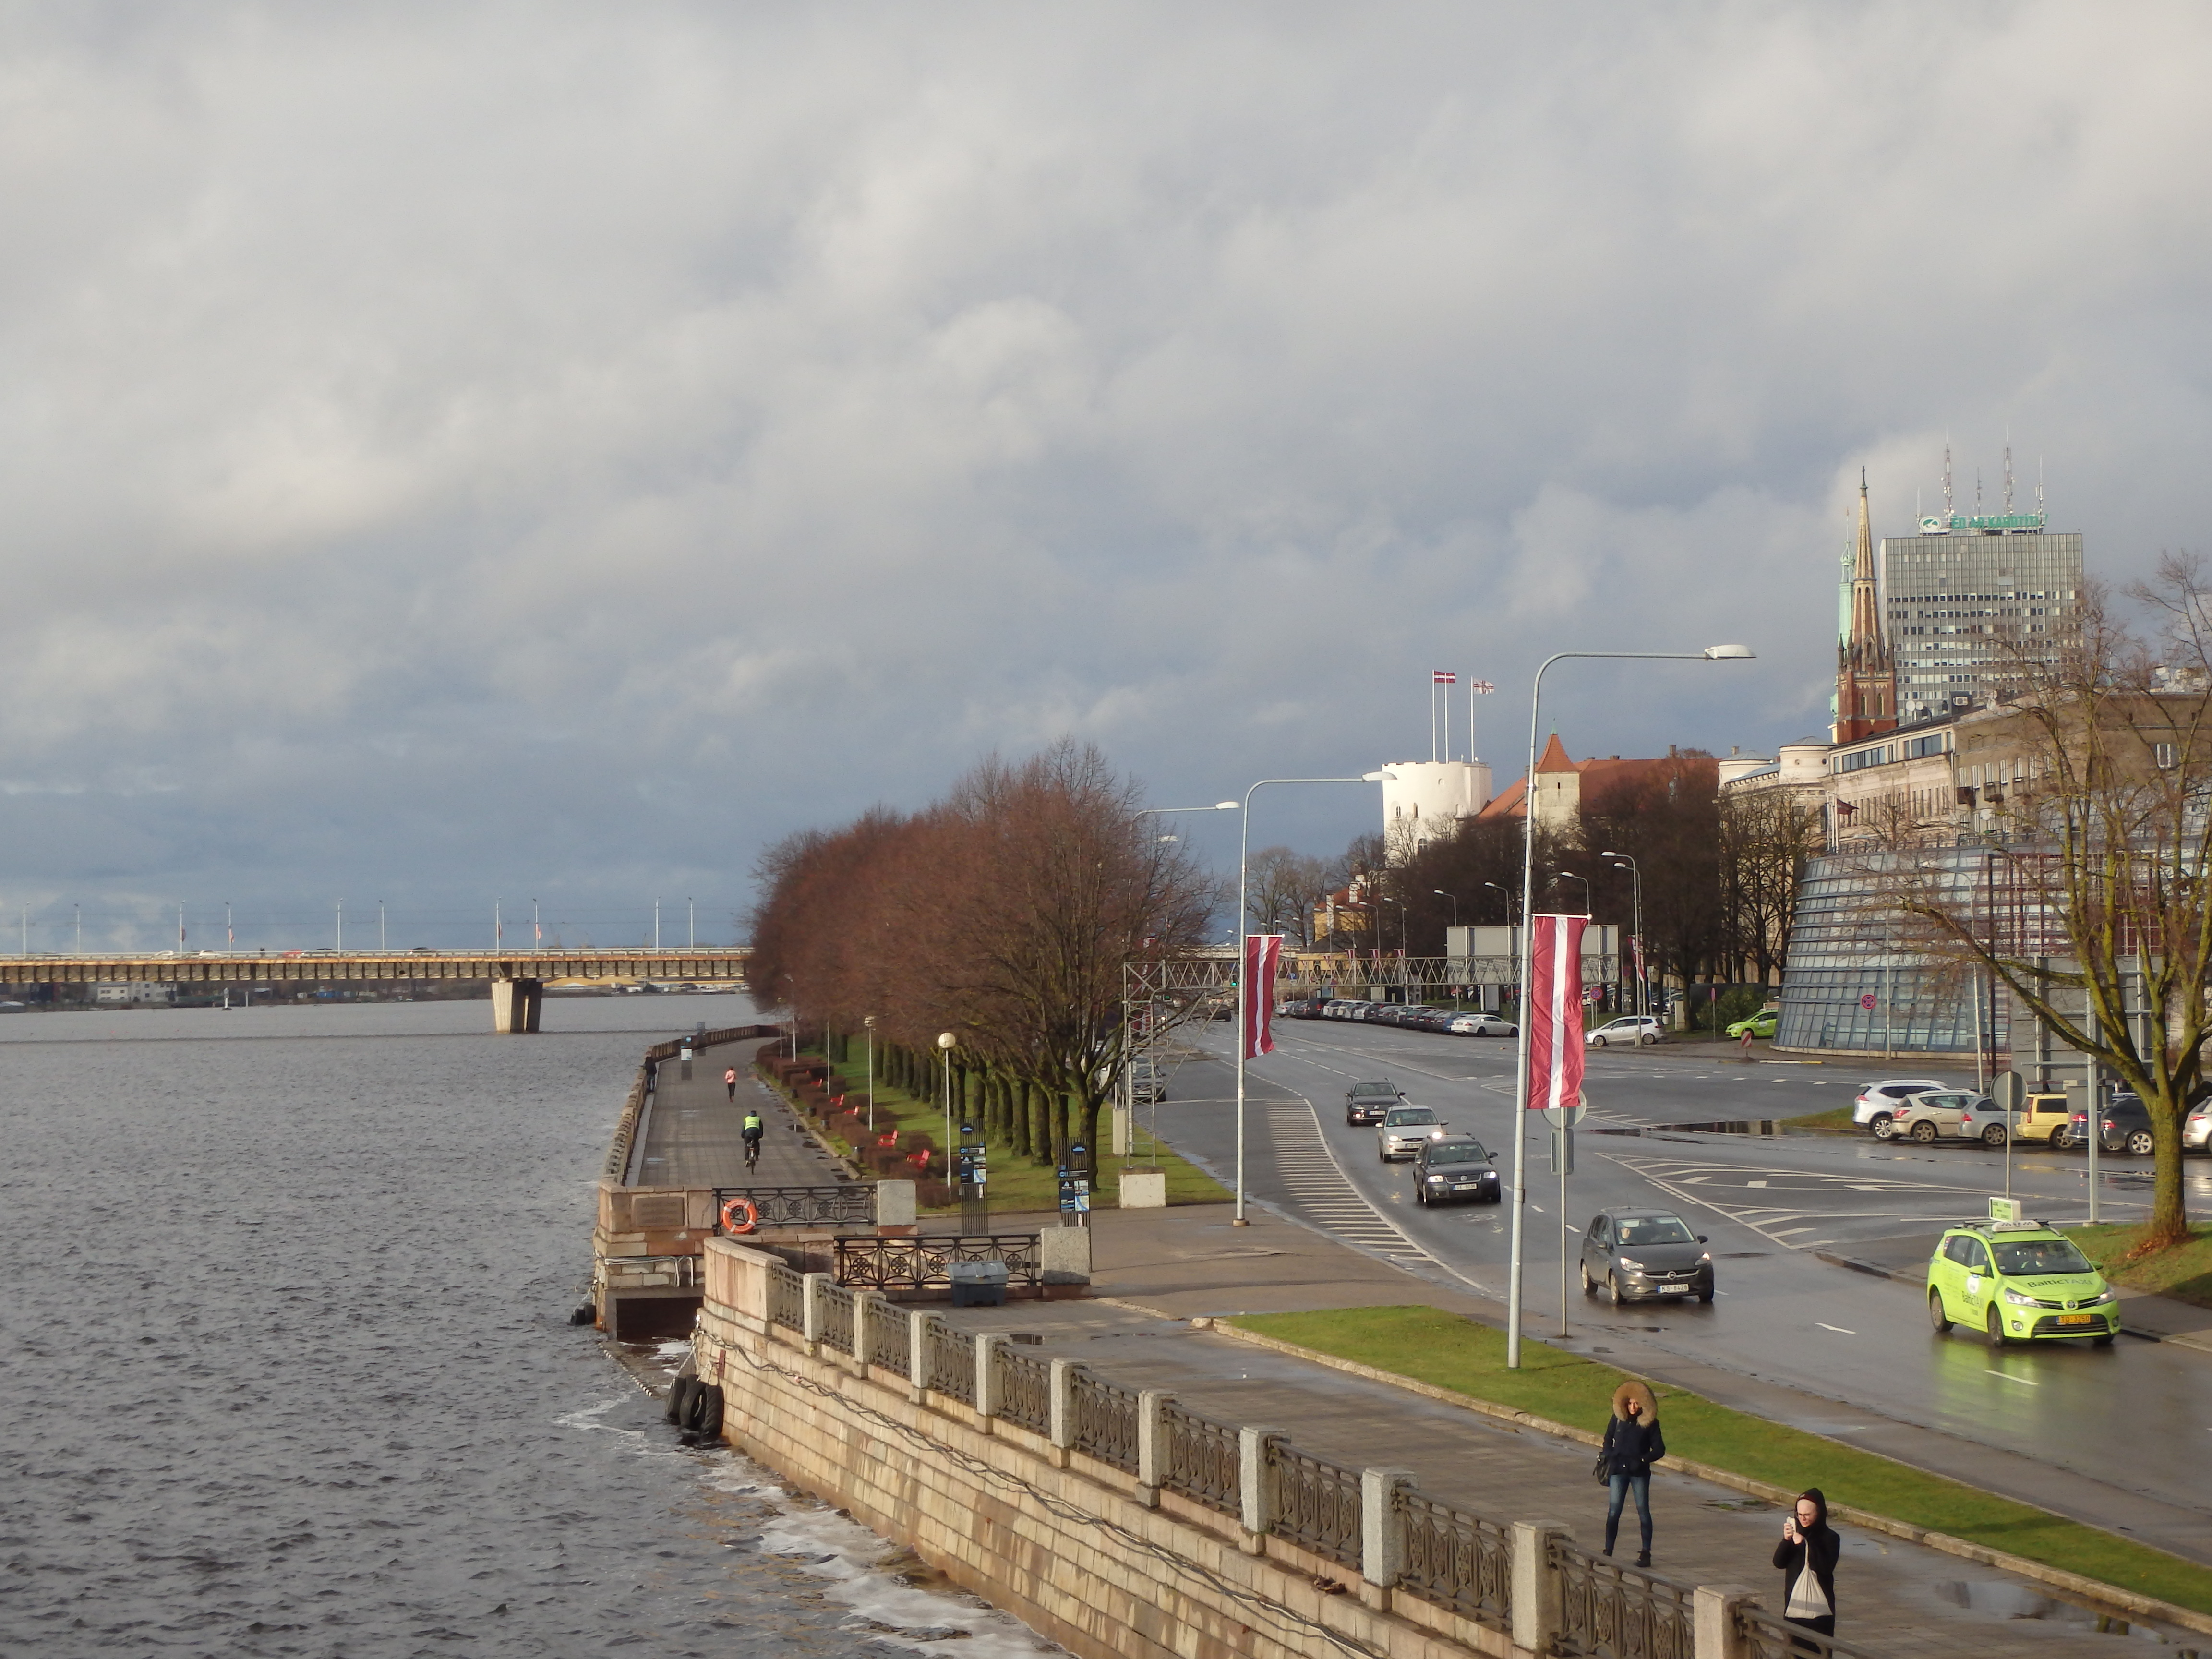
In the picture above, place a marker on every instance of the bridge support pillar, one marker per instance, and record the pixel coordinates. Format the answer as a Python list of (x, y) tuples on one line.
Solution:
[(515, 1005)]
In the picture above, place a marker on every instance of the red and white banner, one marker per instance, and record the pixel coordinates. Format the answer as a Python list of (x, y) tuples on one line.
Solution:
[(1635, 949), (1256, 985), (1444, 676), (1554, 996)]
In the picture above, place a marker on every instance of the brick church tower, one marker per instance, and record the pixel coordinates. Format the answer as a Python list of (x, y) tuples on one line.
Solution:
[(1866, 674)]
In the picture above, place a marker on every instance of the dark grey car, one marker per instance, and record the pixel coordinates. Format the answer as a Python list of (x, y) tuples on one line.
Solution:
[(1646, 1255), (1366, 1103), (1452, 1170)]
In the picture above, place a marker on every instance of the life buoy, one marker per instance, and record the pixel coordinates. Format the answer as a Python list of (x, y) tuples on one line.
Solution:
[(734, 1210)]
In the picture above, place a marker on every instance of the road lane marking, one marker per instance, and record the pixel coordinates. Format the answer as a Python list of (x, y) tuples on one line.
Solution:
[(1838, 1329), (2028, 1380)]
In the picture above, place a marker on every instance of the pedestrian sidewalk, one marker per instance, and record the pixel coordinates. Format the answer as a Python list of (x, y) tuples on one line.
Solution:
[(693, 1137), (2158, 1318)]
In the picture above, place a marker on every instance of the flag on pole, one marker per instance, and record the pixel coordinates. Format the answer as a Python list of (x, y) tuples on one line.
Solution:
[(1555, 1002), (1444, 676), (1481, 688), (1636, 950), (1256, 985)]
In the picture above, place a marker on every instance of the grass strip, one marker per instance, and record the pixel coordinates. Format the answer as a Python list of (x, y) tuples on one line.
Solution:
[(2183, 1271), (1448, 1351)]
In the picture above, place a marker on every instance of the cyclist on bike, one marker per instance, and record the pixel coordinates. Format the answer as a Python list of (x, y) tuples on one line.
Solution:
[(754, 1128)]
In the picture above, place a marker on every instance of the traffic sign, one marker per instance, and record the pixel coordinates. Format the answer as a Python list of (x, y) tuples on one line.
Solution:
[(2010, 1091), (1866, 1000), (1555, 1117)]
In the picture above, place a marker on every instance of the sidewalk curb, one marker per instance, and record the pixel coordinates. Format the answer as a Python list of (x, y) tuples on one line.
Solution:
[(2094, 1588), (2186, 1339)]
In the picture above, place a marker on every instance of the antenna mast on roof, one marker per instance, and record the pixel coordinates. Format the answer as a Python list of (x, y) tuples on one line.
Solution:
[(1978, 492), (2008, 475), (2039, 486), (1946, 483)]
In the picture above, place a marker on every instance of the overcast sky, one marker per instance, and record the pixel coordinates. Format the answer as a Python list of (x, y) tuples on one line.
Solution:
[(454, 453)]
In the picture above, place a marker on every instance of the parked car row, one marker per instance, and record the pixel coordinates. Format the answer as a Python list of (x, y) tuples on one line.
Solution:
[(1413, 1016), (1927, 1111)]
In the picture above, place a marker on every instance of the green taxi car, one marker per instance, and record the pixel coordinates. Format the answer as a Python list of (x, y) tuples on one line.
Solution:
[(1760, 1025), (2019, 1282)]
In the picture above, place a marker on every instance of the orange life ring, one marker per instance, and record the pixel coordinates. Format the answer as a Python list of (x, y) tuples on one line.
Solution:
[(737, 1207)]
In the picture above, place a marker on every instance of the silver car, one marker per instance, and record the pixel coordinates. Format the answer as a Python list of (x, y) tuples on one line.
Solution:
[(1482, 1026), (1405, 1128)]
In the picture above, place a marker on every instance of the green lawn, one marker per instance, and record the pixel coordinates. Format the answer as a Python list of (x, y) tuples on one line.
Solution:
[(1019, 1183), (1449, 1352), (2184, 1272), (1837, 1120)]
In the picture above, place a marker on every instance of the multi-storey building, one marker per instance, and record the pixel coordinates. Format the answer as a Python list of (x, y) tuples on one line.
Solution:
[(1955, 595)]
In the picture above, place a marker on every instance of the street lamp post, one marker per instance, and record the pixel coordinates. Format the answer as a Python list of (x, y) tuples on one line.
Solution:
[(1453, 897), (1243, 1040), (1710, 653), (1509, 899), (868, 1021), (947, 1043), (1636, 880), (1569, 875)]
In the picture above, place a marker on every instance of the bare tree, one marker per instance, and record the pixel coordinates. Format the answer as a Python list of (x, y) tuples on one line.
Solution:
[(1282, 887), (1767, 837)]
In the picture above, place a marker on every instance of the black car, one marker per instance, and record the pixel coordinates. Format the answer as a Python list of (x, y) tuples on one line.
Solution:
[(1453, 1169), (1366, 1103), (1633, 1255), (2123, 1126)]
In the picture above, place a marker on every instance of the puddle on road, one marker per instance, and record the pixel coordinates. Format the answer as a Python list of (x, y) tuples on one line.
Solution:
[(2003, 1600), (1756, 1125)]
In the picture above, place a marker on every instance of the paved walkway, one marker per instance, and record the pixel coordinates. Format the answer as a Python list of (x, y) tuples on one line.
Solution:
[(692, 1139), (1158, 1274)]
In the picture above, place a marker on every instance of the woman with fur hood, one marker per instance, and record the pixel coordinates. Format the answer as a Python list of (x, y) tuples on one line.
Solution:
[(1807, 1555), (1633, 1444)]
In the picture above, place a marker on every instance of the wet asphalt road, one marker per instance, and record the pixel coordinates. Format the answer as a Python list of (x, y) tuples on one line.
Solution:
[(2119, 1435)]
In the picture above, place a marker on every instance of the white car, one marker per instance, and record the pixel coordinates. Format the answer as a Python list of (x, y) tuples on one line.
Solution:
[(1483, 1025), (1879, 1102), (1634, 1030), (2196, 1130), (1936, 1115), (1403, 1130)]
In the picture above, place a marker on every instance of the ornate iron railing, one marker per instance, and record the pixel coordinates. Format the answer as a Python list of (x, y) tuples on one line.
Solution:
[(1766, 1635), (1457, 1560), (951, 1363), (847, 1204), (919, 1263), (1316, 1503), (1613, 1611), (887, 1338), (1202, 1459), (836, 1308), (1105, 1419), (1025, 1389), (786, 1302)]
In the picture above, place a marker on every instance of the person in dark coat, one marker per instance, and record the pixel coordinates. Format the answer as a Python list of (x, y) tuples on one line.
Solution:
[(1807, 1555), (1633, 1444)]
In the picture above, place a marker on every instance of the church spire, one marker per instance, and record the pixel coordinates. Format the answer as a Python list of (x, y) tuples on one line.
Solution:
[(1866, 679)]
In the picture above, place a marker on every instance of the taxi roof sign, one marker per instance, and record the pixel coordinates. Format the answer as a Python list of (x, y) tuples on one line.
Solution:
[(2011, 1212)]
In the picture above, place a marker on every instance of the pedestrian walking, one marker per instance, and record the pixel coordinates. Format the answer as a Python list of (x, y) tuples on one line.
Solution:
[(1806, 1556), (730, 1081), (1633, 1444)]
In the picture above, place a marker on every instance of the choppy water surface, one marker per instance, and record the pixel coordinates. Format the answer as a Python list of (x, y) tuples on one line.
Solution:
[(288, 1370)]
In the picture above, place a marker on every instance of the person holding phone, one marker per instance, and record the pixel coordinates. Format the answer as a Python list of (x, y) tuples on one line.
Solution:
[(1807, 1555)]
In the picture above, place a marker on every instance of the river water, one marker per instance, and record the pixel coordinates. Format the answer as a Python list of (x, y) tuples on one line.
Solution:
[(288, 1369)]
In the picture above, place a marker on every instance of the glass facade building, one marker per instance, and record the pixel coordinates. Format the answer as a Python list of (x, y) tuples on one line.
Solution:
[(1949, 593), (1851, 986)]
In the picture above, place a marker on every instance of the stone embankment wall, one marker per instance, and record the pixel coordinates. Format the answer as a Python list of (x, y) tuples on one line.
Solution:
[(1124, 1529)]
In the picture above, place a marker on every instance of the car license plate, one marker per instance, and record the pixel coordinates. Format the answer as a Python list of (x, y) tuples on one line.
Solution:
[(2077, 1319), (1673, 1290)]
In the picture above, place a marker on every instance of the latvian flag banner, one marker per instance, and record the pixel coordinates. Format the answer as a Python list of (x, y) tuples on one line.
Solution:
[(1555, 1011), (1256, 985), (1444, 676)]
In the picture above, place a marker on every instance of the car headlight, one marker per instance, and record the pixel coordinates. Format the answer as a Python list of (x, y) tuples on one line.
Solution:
[(1704, 1258), (2018, 1299), (1435, 1177), (1632, 1267), (2108, 1294)]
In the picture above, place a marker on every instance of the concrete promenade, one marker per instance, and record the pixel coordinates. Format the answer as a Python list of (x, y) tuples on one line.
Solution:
[(692, 1137), (1158, 1280)]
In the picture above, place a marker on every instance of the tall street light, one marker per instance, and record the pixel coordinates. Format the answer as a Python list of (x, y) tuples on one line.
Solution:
[(1569, 875), (1710, 653), (1620, 860), (1453, 897), (1509, 897), (1217, 806), (1243, 1039)]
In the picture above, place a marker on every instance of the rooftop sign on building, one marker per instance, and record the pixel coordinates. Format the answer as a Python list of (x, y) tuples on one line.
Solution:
[(1987, 524)]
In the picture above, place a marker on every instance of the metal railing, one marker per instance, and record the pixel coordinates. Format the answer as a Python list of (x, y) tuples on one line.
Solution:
[(1105, 1419), (836, 1312), (1610, 1612), (1766, 1635), (1202, 1459), (921, 1263), (652, 1272), (1025, 1389), (787, 1298), (1316, 1503), (1457, 1560), (887, 1338), (846, 1203), (952, 1364)]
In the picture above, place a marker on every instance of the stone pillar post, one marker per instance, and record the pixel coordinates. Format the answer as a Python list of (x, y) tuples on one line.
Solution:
[(987, 1376), (1715, 1634), (917, 1354), (810, 1292), (1063, 1434), (1537, 1607), (866, 1309), (1151, 1445), (895, 1208), (516, 1004), (1255, 1488), (1381, 1534)]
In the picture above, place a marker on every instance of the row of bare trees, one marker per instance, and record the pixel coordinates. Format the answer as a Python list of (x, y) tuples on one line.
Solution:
[(1005, 914)]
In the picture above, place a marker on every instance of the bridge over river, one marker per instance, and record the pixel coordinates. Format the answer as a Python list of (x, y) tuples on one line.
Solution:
[(518, 978)]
